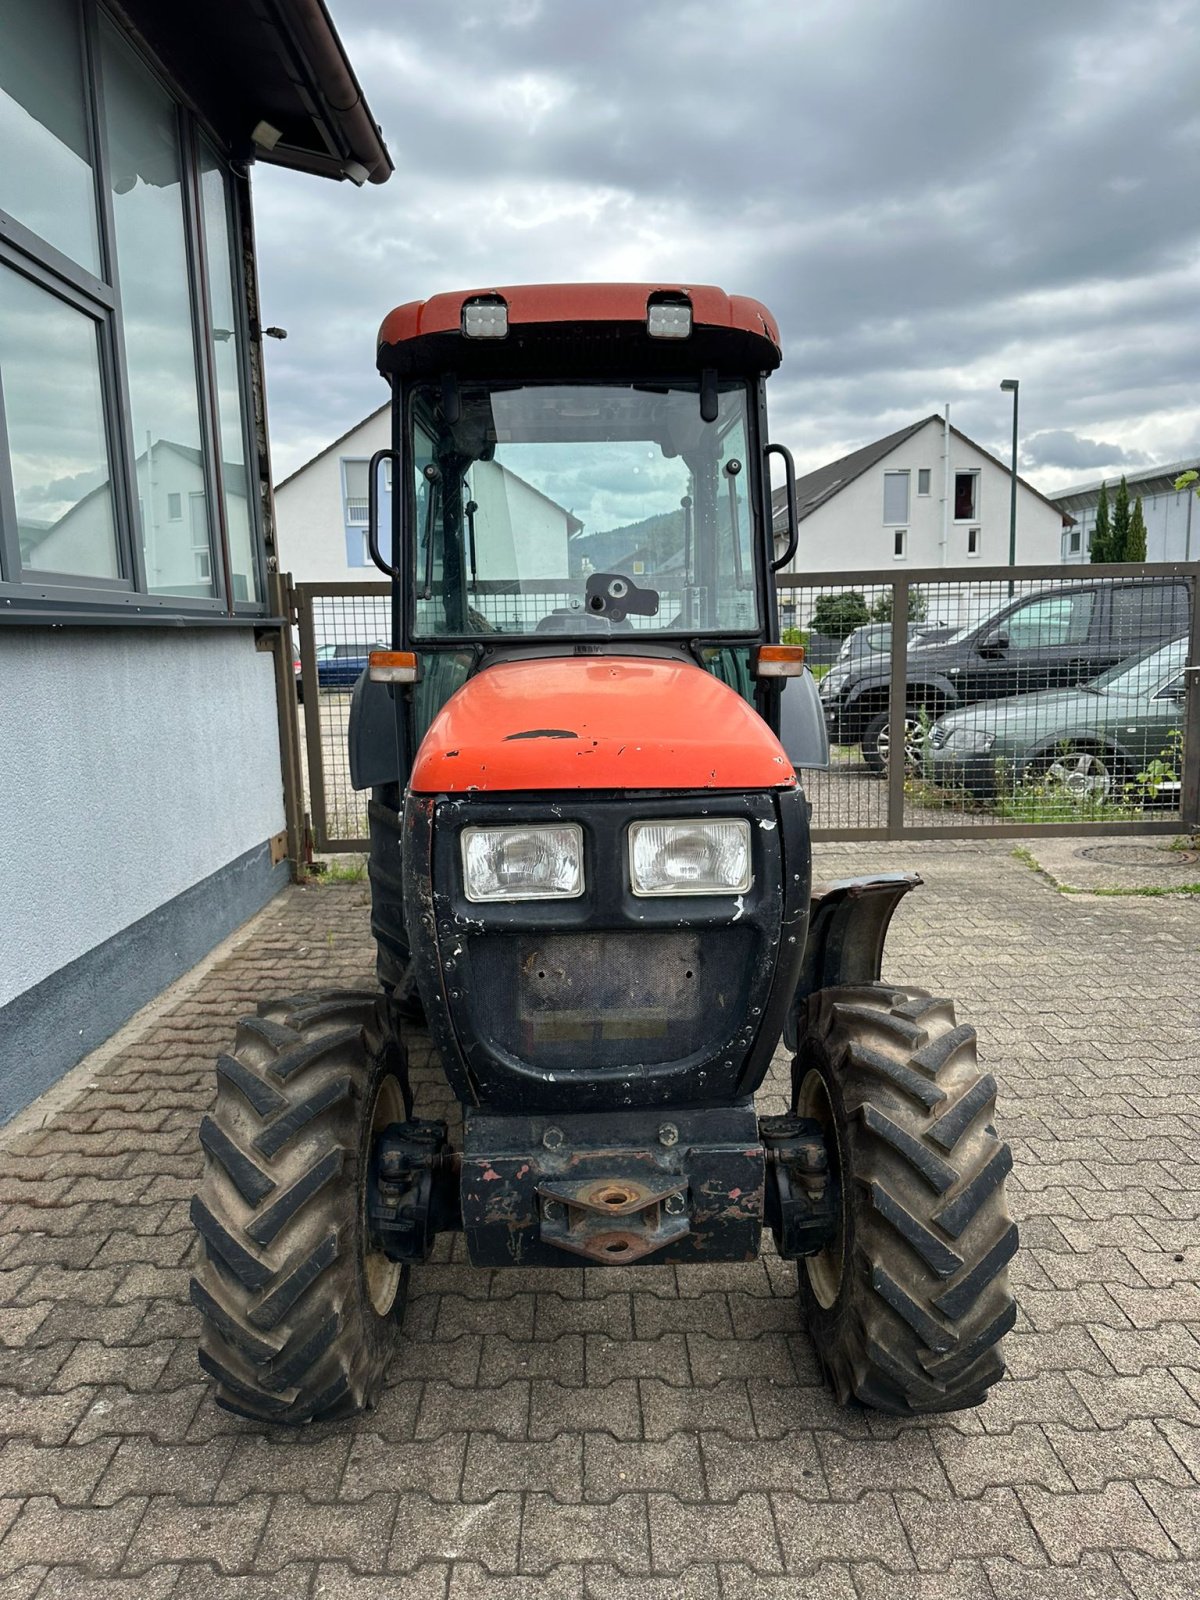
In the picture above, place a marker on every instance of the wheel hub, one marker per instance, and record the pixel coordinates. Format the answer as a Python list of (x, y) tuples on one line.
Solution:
[(825, 1264)]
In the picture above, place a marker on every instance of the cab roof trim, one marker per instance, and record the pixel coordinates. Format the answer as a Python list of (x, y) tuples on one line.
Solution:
[(534, 304)]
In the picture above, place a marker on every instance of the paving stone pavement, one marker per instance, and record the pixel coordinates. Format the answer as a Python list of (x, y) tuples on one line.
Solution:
[(648, 1432)]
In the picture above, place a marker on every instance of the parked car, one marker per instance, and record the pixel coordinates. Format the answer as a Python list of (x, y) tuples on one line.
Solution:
[(875, 638), (1051, 640), (339, 666), (1091, 742)]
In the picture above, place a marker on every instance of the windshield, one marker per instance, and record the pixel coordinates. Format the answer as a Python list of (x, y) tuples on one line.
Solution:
[(1144, 672), (580, 509)]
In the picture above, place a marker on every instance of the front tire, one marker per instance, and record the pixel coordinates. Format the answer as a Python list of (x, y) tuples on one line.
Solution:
[(908, 1302), (300, 1316)]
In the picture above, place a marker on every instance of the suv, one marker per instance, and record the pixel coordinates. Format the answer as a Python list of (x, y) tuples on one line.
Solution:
[(1051, 640), (875, 638)]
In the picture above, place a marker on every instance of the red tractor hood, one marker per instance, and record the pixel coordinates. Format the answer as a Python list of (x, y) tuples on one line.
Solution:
[(609, 722)]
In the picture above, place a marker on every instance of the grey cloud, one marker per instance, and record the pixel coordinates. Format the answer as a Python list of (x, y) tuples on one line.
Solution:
[(928, 198), (1058, 447)]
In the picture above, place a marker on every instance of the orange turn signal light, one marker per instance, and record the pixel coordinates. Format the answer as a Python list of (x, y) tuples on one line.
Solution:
[(779, 661), (392, 666)]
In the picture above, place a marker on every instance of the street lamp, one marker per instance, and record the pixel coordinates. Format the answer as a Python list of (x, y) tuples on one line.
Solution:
[(1011, 385)]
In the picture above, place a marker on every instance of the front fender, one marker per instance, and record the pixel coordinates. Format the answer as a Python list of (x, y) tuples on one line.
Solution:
[(847, 927), (929, 686)]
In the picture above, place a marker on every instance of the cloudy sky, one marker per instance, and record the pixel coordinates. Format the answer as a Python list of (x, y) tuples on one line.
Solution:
[(930, 197)]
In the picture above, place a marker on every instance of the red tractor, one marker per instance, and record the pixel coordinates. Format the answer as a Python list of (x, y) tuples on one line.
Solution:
[(590, 875)]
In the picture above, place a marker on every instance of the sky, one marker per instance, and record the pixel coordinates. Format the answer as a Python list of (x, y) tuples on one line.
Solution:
[(929, 197)]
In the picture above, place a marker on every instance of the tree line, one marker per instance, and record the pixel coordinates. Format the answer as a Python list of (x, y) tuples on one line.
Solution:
[(1119, 535)]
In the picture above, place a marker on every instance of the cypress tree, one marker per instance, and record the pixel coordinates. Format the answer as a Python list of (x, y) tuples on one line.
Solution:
[(1136, 548), (1119, 539), (1102, 534)]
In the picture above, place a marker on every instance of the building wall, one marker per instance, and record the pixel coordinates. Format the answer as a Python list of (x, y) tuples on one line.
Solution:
[(139, 786), (1172, 522), (311, 531), (848, 531)]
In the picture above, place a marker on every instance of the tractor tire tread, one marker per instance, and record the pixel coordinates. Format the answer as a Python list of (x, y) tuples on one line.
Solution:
[(288, 1330), (923, 1300)]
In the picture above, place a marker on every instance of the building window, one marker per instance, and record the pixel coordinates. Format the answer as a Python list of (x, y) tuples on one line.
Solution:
[(228, 365), (972, 541), (966, 496), (47, 182), (355, 493), (901, 538), (125, 429), (895, 497), (923, 480), (58, 448), (1074, 541), (146, 177)]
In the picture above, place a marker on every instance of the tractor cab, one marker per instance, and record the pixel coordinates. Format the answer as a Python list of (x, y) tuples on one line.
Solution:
[(579, 470)]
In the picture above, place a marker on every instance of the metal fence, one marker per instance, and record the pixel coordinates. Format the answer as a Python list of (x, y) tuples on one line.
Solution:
[(1011, 700)]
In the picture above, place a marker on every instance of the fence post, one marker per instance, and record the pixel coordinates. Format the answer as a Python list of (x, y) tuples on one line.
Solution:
[(281, 599), (897, 707), (1190, 797), (312, 714)]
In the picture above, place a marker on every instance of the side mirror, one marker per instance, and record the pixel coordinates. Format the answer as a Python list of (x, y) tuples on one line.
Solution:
[(380, 516), (793, 522), (994, 643)]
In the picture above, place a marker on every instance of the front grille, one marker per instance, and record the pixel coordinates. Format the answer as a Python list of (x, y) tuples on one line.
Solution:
[(594, 999), (938, 736)]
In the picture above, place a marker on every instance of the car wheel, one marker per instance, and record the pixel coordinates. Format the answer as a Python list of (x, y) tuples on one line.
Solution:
[(1083, 775), (877, 739)]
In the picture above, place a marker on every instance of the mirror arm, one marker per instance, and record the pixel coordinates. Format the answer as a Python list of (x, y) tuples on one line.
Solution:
[(373, 549), (789, 467)]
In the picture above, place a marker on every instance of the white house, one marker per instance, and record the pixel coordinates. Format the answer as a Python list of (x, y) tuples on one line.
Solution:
[(925, 496), (321, 515), (1172, 515)]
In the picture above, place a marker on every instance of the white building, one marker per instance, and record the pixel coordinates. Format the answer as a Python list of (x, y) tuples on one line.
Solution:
[(321, 515), (141, 781), (925, 496), (1172, 515)]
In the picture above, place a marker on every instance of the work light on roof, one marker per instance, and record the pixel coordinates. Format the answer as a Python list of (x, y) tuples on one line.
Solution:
[(485, 318), (669, 319)]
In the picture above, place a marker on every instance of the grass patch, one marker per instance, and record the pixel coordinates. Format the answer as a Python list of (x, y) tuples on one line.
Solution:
[(1151, 891), (339, 872)]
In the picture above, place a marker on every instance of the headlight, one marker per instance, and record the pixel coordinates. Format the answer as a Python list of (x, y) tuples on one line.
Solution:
[(690, 857), (969, 741), (523, 863)]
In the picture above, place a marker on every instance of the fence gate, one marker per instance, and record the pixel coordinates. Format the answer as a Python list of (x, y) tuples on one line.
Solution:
[(1057, 699)]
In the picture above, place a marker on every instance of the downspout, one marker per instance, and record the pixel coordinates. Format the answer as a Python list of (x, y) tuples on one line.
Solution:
[(946, 487)]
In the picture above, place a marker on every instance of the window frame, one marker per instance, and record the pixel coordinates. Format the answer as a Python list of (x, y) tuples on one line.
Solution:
[(27, 594), (906, 474), (967, 472), (926, 474), (899, 543)]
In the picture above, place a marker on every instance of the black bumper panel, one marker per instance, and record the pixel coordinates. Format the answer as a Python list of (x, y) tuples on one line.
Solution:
[(613, 1188)]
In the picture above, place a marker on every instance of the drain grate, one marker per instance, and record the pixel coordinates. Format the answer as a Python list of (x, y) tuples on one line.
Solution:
[(1138, 855)]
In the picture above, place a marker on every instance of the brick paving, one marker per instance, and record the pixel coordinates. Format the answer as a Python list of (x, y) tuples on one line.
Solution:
[(640, 1433)]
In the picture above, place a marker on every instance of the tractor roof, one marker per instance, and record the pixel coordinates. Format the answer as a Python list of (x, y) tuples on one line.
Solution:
[(599, 328)]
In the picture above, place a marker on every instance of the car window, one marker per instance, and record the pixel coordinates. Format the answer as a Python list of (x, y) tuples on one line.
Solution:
[(1144, 671), (325, 652), (1149, 610), (1053, 619)]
